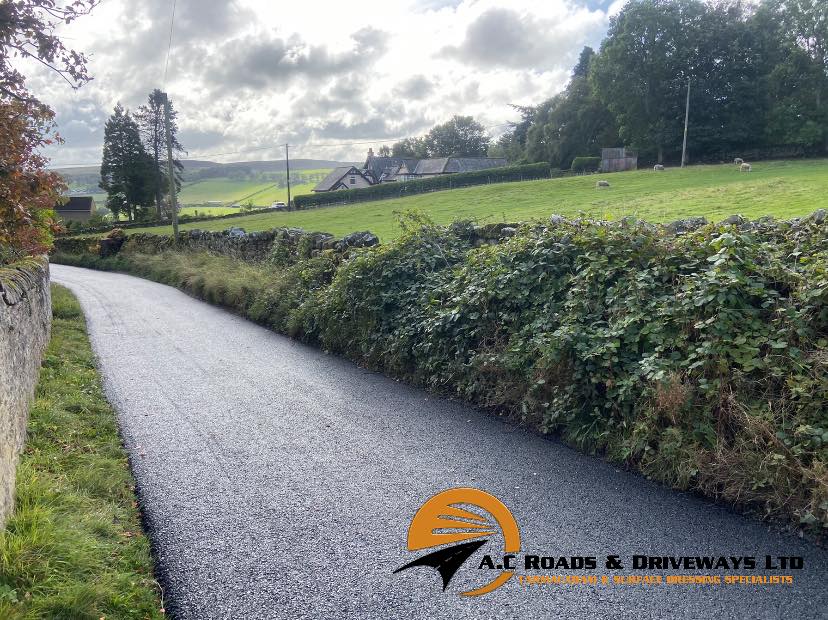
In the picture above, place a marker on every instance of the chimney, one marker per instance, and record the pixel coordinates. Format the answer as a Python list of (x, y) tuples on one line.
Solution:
[(370, 152)]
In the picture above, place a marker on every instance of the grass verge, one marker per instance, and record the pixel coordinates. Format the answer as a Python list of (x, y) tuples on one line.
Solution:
[(74, 548)]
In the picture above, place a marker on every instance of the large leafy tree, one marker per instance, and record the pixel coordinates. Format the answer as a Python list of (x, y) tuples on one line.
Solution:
[(654, 48), (150, 119), (28, 192), (642, 62), (409, 147), (797, 85), (462, 136), (126, 168)]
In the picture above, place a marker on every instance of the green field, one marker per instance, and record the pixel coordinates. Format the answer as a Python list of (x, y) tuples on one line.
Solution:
[(782, 189), (230, 191)]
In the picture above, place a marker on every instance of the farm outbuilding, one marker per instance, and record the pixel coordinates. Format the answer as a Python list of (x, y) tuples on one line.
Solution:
[(76, 209), (618, 159)]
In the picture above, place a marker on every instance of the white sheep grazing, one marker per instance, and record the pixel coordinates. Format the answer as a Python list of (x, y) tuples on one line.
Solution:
[(602, 184), (658, 168), (744, 168), (738, 161)]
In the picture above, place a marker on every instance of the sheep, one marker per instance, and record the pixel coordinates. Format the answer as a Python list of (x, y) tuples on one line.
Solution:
[(738, 161), (745, 167), (602, 184), (658, 168)]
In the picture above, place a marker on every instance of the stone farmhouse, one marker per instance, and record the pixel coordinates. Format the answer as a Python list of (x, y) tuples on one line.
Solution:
[(391, 169)]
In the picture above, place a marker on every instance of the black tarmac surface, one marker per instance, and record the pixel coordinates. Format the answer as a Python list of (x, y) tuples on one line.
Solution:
[(279, 482)]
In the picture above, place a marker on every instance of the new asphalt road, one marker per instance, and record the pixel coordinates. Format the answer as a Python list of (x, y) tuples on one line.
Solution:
[(280, 482)]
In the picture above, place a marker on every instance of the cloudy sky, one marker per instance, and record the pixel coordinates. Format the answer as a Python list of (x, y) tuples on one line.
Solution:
[(247, 75)]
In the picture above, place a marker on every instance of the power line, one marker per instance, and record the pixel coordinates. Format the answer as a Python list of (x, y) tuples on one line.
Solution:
[(169, 45)]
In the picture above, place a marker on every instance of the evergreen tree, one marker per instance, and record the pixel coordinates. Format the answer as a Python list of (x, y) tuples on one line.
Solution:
[(126, 168), (572, 124), (150, 119)]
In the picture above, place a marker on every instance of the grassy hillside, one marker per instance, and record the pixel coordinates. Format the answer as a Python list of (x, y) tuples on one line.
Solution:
[(780, 188), (225, 190), (231, 191)]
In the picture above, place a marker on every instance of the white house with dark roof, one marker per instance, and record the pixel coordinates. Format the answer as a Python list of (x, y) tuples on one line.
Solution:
[(389, 169), (343, 177)]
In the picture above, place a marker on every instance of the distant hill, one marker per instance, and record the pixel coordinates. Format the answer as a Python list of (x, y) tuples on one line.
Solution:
[(84, 180), (192, 165), (277, 165)]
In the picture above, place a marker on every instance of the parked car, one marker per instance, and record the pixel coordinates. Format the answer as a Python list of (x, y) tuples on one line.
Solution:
[(279, 206)]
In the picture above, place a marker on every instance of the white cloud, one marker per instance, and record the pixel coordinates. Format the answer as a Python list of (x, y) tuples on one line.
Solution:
[(250, 73)]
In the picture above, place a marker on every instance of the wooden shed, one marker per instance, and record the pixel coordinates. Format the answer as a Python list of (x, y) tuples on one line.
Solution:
[(618, 159)]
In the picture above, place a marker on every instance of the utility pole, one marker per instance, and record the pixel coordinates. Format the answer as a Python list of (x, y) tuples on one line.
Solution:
[(686, 117), (287, 168), (170, 171)]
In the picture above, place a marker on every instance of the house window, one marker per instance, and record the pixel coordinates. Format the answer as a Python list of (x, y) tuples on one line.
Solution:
[(353, 180)]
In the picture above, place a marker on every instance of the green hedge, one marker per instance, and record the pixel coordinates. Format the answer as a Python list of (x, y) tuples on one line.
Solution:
[(700, 360), (586, 164), (382, 191)]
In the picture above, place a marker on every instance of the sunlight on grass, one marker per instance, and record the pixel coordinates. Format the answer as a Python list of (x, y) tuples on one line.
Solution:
[(782, 189)]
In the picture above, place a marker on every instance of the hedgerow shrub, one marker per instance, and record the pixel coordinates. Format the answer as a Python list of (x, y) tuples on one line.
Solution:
[(527, 172), (586, 164), (700, 360)]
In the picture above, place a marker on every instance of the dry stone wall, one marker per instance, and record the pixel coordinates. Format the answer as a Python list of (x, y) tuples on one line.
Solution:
[(25, 322), (234, 242)]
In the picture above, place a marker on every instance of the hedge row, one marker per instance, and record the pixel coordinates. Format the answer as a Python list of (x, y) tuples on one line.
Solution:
[(586, 164), (699, 359), (400, 189)]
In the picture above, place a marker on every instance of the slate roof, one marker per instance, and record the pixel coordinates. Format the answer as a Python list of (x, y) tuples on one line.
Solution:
[(431, 166), (445, 165), (388, 166), (471, 164), (76, 204), (334, 177)]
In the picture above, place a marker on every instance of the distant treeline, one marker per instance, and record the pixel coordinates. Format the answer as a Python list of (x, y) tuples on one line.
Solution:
[(758, 79)]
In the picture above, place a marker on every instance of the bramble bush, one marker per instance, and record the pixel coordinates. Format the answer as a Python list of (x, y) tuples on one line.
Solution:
[(700, 360)]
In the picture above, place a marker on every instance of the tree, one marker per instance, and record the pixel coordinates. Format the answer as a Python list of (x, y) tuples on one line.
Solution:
[(571, 124), (29, 192), (462, 136), (410, 147), (27, 30), (640, 62), (584, 61), (126, 168), (384, 151), (798, 84), (150, 119)]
